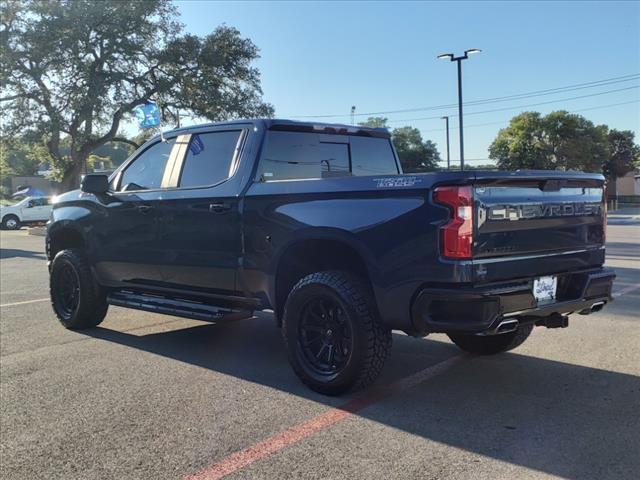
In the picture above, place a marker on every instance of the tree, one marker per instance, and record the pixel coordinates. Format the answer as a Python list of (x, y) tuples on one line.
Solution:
[(19, 157), (77, 69), (624, 154), (416, 155), (375, 122), (559, 140)]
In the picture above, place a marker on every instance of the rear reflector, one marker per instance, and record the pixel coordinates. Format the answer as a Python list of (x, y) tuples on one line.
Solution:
[(456, 237)]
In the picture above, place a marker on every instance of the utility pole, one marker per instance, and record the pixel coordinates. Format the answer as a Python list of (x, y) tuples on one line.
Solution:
[(353, 115), (446, 119), (459, 59)]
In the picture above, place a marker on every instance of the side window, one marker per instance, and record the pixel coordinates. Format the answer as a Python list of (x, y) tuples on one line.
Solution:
[(146, 171), (372, 156), (209, 158), (296, 155)]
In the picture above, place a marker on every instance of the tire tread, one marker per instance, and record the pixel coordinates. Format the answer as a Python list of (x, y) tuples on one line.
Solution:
[(93, 303), (379, 338)]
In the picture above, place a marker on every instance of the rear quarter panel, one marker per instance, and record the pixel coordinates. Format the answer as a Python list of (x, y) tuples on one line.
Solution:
[(388, 220)]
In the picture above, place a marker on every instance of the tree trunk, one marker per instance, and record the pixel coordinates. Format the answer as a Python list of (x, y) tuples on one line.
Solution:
[(71, 179)]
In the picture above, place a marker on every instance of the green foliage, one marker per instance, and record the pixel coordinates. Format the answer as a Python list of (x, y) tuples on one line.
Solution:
[(96, 162), (18, 157), (76, 69), (624, 154), (5, 195), (375, 122), (114, 152), (416, 155), (563, 141)]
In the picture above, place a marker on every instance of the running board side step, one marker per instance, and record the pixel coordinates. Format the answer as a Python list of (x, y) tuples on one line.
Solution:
[(175, 306)]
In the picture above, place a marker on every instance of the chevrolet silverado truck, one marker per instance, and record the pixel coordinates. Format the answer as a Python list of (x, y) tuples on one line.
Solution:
[(319, 224)]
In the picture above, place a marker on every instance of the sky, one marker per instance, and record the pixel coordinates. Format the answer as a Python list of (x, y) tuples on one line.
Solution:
[(320, 58)]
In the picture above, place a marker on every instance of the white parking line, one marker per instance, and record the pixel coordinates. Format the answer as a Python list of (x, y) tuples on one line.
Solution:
[(25, 302)]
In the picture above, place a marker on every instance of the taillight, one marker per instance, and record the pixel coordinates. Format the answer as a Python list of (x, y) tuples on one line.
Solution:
[(456, 237)]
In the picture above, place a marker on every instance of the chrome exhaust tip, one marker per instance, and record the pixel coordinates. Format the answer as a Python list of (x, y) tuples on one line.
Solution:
[(505, 326), (596, 307)]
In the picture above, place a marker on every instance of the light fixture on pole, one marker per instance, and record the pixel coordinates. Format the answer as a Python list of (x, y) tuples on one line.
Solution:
[(459, 59), (446, 119), (353, 115)]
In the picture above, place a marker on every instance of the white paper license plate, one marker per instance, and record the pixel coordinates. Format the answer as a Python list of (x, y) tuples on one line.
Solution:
[(544, 289)]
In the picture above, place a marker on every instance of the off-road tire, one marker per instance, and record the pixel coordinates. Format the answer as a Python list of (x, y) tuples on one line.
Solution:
[(371, 340), (91, 305), (492, 344), (6, 222)]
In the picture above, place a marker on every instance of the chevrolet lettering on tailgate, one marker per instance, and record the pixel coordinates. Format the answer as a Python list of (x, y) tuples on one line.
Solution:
[(519, 212)]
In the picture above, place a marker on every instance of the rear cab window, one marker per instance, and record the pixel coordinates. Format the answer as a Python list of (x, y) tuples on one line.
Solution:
[(291, 155), (210, 158)]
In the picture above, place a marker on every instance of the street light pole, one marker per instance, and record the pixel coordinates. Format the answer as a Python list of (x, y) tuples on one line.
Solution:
[(460, 120), (459, 59), (353, 115), (446, 120)]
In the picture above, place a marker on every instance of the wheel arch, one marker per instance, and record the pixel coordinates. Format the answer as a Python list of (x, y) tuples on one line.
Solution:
[(61, 237), (315, 251), (10, 214)]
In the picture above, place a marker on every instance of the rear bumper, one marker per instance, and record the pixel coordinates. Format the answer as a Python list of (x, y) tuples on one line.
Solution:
[(481, 309)]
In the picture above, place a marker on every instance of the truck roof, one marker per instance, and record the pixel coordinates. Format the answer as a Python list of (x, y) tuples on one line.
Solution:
[(284, 124)]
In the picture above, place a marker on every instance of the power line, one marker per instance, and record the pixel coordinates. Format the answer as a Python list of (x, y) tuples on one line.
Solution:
[(454, 127), (523, 106), (502, 122), (550, 91)]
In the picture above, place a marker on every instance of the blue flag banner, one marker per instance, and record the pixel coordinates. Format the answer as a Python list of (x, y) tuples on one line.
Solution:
[(148, 115), (196, 146)]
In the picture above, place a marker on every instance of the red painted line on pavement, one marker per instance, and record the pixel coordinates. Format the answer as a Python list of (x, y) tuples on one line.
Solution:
[(296, 433), (626, 290)]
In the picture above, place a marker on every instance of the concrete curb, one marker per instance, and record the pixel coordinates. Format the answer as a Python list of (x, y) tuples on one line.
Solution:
[(39, 231)]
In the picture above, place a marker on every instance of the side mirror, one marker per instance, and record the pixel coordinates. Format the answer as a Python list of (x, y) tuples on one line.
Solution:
[(96, 184)]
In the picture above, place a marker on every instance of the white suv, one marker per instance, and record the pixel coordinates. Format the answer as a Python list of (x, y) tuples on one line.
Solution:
[(27, 211)]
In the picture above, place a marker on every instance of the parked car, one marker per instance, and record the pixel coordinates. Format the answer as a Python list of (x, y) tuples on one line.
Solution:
[(27, 211), (319, 224)]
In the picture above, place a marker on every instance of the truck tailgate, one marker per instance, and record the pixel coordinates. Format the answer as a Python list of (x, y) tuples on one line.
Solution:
[(538, 222)]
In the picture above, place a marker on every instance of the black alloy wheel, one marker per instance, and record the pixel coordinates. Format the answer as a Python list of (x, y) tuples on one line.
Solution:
[(66, 297), (332, 332), (77, 299), (326, 339)]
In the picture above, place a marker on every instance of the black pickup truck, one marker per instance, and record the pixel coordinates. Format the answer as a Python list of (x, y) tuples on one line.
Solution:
[(318, 223)]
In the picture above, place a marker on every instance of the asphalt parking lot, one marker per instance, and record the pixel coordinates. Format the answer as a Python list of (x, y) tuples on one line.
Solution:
[(150, 396)]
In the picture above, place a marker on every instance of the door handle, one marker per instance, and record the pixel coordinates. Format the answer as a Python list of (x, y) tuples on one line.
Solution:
[(144, 209), (219, 207)]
